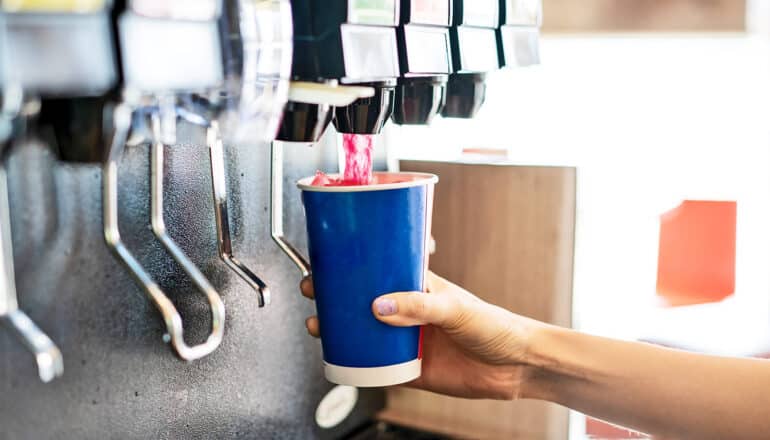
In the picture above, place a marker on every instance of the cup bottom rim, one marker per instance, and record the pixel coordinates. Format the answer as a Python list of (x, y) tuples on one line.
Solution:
[(373, 377)]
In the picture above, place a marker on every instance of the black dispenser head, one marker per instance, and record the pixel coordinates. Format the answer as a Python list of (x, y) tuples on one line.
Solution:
[(349, 42), (367, 115), (425, 60), (352, 41), (304, 122), (475, 53), (465, 95), (419, 100)]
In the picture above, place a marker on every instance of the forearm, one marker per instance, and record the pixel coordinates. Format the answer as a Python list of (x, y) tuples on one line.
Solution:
[(654, 390)]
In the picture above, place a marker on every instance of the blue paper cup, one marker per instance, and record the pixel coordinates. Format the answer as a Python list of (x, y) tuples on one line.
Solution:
[(364, 242)]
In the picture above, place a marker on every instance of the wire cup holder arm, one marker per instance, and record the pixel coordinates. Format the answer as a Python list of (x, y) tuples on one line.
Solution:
[(215, 144), (276, 211), (224, 241), (175, 332), (50, 363)]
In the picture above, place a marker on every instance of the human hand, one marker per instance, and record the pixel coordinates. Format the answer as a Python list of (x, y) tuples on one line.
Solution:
[(471, 349)]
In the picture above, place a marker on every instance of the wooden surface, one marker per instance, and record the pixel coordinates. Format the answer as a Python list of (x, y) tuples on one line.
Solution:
[(505, 233), (644, 15)]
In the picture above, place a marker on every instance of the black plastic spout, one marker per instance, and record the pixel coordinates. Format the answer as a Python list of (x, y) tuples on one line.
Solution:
[(367, 115), (465, 95), (304, 122), (419, 100)]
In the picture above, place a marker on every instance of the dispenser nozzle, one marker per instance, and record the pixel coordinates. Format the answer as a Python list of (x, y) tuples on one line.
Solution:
[(419, 100), (311, 105), (465, 95), (367, 115)]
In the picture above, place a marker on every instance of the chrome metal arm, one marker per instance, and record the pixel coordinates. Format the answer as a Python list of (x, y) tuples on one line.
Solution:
[(50, 363), (171, 317), (219, 188), (276, 211)]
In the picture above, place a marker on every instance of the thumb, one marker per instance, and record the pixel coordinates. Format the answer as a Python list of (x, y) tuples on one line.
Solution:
[(416, 308)]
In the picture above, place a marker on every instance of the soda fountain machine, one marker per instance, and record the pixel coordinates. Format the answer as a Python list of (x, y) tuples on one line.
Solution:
[(198, 95), (419, 58)]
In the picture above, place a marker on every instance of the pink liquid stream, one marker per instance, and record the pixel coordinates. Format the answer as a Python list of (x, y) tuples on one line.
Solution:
[(358, 163), (359, 150)]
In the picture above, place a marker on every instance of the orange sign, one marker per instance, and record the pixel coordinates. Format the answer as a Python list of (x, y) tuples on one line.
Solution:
[(696, 261)]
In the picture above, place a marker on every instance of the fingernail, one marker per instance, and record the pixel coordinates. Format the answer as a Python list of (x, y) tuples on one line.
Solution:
[(386, 307)]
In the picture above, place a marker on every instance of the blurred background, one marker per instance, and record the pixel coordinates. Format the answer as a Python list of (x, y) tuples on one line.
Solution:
[(656, 102)]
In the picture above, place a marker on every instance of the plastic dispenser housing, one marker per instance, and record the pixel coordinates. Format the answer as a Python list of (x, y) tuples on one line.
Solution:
[(345, 42), (75, 46), (257, 55), (475, 53), (425, 60), (518, 36)]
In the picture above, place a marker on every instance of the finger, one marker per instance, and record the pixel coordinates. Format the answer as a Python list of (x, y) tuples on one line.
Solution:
[(416, 308), (306, 286), (313, 327)]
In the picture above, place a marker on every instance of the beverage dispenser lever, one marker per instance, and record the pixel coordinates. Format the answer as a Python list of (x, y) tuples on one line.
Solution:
[(49, 359), (276, 211), (122, 125), (159, 225), (219, 187)]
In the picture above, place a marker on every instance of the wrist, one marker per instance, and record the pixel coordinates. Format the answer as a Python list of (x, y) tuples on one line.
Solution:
[(543, 365)]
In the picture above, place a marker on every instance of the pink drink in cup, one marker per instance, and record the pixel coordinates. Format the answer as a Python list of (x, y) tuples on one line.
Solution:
[(359, 150), (358, 165)]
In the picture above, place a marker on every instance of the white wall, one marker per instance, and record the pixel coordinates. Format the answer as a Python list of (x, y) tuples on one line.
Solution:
[(649, 122)]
